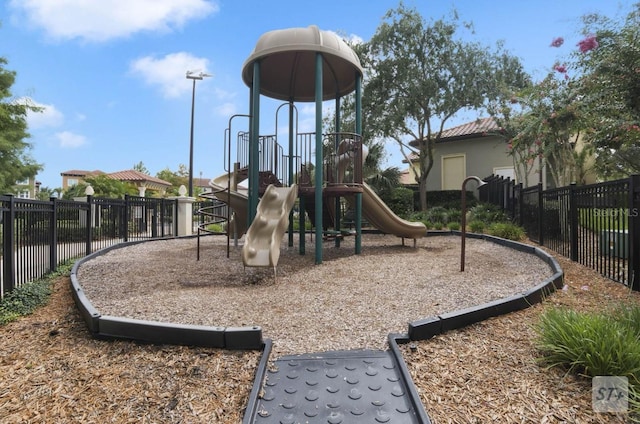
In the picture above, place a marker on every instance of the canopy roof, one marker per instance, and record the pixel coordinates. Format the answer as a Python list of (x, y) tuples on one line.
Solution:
[(288, 60)]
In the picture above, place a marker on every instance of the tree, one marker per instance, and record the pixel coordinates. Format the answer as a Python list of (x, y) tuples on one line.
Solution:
[(141, 168), (178, 178), (103, 186), (15, 162), (423, 76), (609, 60), (544, 126)]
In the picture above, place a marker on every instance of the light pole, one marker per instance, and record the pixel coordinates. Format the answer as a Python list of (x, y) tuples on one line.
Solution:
[(193, 75), (464, 216)]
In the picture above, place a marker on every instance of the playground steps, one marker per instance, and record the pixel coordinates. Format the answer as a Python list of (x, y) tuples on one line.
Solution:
[(354, 386)]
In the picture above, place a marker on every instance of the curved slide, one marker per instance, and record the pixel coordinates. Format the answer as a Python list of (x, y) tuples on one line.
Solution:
[(373, 208), (238, 200), (264, 236), (384, 219)]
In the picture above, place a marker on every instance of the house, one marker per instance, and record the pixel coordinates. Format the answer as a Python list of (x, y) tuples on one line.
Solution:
[(471, 149), (75, 177), (140, 180), (27, 189)]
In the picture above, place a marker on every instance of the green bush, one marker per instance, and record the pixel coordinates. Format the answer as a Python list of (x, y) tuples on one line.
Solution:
[(506, 230), (400, 201), (438, 225), (477, 226), (591, 343), (487, 213), (453, 226)]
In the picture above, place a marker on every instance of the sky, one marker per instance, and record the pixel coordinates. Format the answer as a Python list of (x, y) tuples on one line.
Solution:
[(110, 75)]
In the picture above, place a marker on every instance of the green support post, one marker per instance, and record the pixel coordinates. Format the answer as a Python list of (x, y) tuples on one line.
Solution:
[(302, 221), (253, 145), (291, 135), (358, 223), (319, 158)]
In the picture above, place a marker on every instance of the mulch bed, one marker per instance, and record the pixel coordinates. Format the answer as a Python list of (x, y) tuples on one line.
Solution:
[(52, 370), (489, 371)]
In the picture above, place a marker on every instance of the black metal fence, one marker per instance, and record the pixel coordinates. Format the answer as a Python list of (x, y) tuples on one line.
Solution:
[(596, 225), (37, 236)]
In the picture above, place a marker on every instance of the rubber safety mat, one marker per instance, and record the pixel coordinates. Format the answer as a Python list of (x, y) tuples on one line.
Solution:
[(355, 386)]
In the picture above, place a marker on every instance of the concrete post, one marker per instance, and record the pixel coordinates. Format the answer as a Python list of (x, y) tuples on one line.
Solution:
[(184, 215)]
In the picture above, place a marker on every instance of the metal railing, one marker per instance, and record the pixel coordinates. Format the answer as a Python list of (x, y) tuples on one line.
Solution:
[(596, 225), (37, 236)]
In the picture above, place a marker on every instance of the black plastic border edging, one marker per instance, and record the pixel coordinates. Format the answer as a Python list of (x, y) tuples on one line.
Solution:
[(418, 406), (429, 327), (110, 327), (261, 371)]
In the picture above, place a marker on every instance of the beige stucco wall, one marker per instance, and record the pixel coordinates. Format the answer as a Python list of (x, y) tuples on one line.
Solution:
[(482, 156)]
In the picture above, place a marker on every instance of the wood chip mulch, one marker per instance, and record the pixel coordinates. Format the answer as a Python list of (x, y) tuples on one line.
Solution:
[(489, 371), (52, 370)]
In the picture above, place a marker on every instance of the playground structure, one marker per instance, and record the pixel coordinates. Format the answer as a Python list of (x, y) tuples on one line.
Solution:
[(323, 170)]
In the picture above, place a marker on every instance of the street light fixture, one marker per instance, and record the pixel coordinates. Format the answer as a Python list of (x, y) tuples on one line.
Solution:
[(193, 75), (464, 215)]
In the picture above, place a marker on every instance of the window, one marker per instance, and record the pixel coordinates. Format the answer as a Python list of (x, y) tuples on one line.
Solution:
[(24, 194), (23, 182), (72, 181)]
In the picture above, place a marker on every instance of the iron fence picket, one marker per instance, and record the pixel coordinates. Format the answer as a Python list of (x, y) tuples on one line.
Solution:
[(596, 225), (37, 236)]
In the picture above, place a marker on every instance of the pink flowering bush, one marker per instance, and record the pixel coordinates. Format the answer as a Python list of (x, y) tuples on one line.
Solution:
[(588, 43)]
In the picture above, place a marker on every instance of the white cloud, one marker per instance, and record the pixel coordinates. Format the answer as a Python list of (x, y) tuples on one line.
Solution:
[(102, 20), (49, 116), (226, 109), (69, 140), (169, 72)]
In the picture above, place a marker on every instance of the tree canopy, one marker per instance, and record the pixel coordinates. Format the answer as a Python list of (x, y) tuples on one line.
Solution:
[(422, 74), (15, 162)]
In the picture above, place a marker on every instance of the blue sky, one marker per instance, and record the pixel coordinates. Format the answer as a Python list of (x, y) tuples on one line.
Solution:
[(110, 74)]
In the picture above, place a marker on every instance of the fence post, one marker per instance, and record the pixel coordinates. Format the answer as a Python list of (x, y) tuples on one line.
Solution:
[(540, 216), (53, 235), (634, 232), (573, 223), (89, 221), (8, 243), (126, 218), (519, 197)]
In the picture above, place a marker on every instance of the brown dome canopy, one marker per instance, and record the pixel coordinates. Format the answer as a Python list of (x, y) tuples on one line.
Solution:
[(288, 59)]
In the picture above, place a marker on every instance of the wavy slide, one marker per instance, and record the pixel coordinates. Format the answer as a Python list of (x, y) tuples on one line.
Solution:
[(264, 236)]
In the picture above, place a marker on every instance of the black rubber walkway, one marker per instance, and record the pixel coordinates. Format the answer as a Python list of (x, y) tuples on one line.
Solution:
[(355, 386)]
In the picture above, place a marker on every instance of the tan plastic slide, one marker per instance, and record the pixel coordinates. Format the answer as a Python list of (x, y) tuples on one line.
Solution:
[(237, 199), (373, 208), (264, 236), (384, 219)]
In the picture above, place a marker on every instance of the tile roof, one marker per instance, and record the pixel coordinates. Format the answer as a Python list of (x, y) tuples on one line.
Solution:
[(138, 177), (80, 173), (473, 129), (477, 127)]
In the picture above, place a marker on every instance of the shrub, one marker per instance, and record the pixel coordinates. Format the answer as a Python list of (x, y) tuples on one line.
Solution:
[(590, 343), (23, 300), (506, 230), (438, 225), (454, 226), (477, 226), (487, 213), (400, 201)]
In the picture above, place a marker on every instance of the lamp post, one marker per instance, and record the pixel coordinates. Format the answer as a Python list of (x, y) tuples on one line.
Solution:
[(464, 215), (193, 75)]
